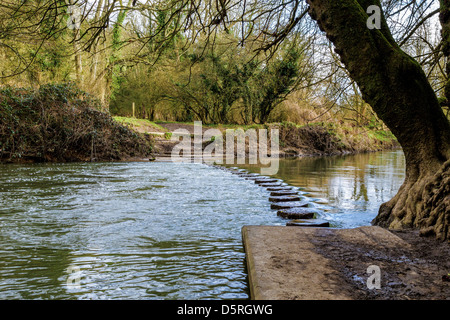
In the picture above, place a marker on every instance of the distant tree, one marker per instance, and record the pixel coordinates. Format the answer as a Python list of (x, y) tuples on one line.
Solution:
[(275, 82)]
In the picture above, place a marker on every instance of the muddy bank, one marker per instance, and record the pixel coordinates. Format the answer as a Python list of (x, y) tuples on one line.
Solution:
[(323, 140), (417, 270)]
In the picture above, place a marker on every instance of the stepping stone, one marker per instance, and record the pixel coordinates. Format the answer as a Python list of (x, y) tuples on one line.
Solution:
[(266, 180), (280, 188), (287, 205), (284, 198), (308, 223), (296, 213), (270, 185), (251, 177), (284, 193), (241, 173)]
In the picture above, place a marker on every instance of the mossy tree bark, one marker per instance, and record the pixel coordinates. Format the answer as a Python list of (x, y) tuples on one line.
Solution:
[(444, 18), (396, 87)]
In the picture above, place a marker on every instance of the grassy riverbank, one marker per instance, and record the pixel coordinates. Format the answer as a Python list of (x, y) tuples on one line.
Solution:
[(59, 123), (332, 139), (295, 140)]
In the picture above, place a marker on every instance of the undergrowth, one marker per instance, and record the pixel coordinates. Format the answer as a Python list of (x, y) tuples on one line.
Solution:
[(60, 123), (330, 138)]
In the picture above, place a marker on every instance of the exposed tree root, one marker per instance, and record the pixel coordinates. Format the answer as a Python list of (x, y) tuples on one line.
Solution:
[(422, 204)]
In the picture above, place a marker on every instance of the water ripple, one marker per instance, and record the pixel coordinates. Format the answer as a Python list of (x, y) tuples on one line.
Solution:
[(133, 230)]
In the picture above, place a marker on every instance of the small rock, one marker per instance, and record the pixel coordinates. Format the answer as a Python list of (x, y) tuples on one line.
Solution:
[(284, 198), (308, 223), (427, 232)]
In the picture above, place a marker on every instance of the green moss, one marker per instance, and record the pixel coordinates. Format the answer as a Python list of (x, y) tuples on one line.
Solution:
[(381, 135)]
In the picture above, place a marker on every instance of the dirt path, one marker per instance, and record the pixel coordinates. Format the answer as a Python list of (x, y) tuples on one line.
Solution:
[(171, 127), (163, 146), (417, 270), (295, 263)]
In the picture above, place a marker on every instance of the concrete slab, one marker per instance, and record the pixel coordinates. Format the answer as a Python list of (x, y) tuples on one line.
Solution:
[(284, 264)]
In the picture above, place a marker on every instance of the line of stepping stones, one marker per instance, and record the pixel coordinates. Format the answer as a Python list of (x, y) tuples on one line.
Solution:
[(287, 201)]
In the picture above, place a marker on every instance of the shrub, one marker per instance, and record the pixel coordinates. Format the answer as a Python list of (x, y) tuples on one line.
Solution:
[(58, 122)]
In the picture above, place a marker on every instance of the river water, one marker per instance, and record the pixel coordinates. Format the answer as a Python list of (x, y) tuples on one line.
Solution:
[(161, 230), (348, 189)]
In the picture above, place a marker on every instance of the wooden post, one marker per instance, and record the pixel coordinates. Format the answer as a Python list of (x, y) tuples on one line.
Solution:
[(133, 110)]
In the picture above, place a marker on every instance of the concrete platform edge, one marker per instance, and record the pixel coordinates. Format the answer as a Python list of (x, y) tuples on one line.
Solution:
[(282, 263)]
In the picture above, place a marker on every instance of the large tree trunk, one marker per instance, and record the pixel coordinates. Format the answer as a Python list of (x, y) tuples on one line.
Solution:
[(396, 87)]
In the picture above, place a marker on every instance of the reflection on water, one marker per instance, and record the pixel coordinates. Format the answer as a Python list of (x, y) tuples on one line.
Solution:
[(160, 230), (350, 189)]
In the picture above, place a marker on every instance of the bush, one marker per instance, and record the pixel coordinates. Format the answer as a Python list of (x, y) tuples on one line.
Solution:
[(58, 122)]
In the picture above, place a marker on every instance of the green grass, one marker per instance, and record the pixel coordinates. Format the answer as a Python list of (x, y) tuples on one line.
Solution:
[(139, 123), (222, 126), (349, 137), (381, 135)]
